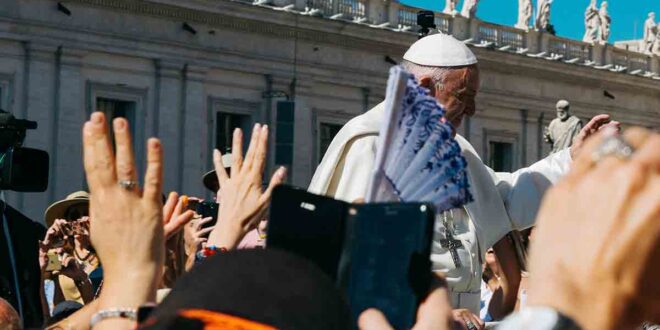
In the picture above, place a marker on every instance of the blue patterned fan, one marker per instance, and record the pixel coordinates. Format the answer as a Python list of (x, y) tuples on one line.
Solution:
[(418, 160)]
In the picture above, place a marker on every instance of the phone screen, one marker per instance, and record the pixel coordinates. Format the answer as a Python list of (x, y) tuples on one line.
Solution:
[(308, 225), (53, 262), (390, 266)]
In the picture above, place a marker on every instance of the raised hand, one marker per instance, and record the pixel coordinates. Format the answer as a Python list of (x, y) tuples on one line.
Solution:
[(243, 202), (605, 276), (596, 123), (174, 217), (126, 223)]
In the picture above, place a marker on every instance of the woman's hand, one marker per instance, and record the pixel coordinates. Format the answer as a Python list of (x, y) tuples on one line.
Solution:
[(174, 217), (126, 223), (243, 202), (604, 275)]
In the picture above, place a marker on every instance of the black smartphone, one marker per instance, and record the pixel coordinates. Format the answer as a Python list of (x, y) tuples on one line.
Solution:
[(308, 225), (208, 209), (390, 266)]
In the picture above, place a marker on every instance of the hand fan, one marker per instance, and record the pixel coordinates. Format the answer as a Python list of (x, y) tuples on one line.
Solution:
[(418, 159)]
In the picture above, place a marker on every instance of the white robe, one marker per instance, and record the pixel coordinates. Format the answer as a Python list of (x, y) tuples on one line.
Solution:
[(502, 201)]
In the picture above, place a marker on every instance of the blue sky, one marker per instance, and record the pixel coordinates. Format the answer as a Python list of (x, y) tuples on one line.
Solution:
[(567, 15)]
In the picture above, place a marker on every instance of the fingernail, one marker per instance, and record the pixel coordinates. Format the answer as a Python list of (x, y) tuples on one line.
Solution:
[(119, 124), (281, 172), (264, 128), (97, 117)]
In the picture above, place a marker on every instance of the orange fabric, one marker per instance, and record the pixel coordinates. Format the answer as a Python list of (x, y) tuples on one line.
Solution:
[(218, 321)]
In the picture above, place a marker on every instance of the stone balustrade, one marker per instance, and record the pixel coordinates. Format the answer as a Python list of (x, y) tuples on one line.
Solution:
[(402, 18)]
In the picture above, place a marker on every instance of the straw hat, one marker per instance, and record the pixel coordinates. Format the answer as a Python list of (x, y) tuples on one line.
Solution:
[(210, 179), (58, 209)]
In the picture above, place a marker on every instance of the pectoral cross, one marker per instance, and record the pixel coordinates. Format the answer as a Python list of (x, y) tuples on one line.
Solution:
[(449, 242)]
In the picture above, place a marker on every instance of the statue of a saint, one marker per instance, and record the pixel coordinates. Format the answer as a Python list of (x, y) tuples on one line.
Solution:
[(469, 9), (591, 23), (649, 34), (525, 13), (543, 15), (563, 129), (605, 22), (450, 7)]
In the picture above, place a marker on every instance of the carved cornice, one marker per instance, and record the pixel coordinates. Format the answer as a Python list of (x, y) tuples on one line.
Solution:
[(244, 24)]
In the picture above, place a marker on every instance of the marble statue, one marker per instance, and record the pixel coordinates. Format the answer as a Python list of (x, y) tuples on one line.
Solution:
[(525, 13), (591, 23), (543, 15), (450, 7), (649, 34), (656, 44), (563, 129), (605, 22), (469, 9)]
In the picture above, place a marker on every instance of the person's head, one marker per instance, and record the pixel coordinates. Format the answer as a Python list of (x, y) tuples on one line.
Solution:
[(603, 5), (9, 319), (74, 207), (563, 110), (448, 68), (651, 15)]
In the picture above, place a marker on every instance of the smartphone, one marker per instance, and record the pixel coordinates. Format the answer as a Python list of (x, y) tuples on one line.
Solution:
[(390, 268), (308, 225), (208, 209), (54, 263), (192, 204)]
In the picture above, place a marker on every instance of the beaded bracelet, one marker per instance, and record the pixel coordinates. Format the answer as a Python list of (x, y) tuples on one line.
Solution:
[(123, 313), (207, 252)]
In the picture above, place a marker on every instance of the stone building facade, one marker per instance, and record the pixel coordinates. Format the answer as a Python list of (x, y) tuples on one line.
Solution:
[(190, 71)]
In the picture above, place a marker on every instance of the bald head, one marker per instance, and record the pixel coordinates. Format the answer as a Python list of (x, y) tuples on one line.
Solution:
[(9, 319)]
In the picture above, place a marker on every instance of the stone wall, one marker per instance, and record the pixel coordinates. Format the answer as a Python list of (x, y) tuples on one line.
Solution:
[(243, 58)]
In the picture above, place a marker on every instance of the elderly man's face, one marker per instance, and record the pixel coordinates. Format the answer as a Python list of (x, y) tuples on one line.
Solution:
[(457, 94)]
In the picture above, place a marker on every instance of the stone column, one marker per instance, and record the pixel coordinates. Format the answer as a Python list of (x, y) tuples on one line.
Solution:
[(40, 103), (69, 175), (168, 119), (655, 64), (302, 171), (607, 55), (377, 11), (195, 113), (460, 27), (533, 41), (393, 13), (598, 53), (474, 29)]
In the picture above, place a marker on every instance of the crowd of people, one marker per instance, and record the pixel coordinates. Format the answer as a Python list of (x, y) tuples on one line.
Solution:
[(570, 242)]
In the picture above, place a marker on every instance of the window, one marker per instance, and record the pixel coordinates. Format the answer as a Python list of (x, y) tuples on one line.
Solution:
[(284, 134), (327, 132), (225, 123), (500, 156), (113, 108)]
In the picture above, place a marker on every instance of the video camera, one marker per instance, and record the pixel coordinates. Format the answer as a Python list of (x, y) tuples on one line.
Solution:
[(426, 22), (21, 169)]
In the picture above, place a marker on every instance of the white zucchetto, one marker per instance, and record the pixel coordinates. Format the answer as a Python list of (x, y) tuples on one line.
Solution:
[(440, 50)]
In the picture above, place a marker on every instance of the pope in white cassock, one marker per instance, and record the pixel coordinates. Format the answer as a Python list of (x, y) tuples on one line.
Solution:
[(502, 201)]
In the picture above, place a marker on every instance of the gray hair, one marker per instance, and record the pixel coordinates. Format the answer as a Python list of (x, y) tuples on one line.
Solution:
[(437, 74)]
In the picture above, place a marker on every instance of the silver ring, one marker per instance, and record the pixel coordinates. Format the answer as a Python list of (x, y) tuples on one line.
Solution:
[(612, 146), (471, 325), (128, 184)]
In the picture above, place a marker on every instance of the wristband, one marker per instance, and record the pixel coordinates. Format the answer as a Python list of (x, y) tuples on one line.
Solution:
[(207, 252), (110, 313)]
